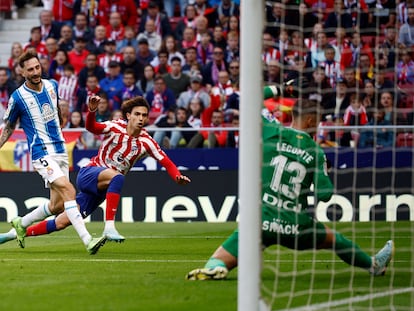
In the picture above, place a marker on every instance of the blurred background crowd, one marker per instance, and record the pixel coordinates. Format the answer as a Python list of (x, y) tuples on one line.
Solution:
[(354, 58)]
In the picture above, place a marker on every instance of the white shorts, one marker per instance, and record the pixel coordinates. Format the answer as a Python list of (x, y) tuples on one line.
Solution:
[(51, 167)]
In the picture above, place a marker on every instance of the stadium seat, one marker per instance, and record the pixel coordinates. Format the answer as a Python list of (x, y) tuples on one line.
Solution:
[(407, 90), (153, 116), (6, 6), (405, 140)]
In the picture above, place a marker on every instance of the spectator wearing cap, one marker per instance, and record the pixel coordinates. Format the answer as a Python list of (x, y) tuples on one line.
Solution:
[(126, 8), (154, 39), (110, 54), (77, 56), (113, 84), (176, 80), (97, 43), (66, 41), (115, 29), (161, 20), (196, 90), (35, 42), (145, 55)]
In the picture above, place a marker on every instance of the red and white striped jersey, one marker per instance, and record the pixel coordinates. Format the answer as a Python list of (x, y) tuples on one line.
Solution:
[(67, 90), (119, 151), (104, 59)]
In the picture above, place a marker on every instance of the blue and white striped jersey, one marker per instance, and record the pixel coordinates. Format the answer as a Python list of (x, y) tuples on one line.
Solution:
[(38, 113)]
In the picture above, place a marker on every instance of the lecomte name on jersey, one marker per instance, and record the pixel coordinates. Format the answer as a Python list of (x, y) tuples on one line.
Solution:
[(284, 147)]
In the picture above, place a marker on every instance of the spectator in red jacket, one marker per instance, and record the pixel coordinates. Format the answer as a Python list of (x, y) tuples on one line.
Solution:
[(77, 57), (63, 11), (350, 55), (214, 138), (126, 8)]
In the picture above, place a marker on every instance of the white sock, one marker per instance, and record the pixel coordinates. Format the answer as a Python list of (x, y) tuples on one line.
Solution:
[(12, 233), (39, 213), (109, 224), (71, 209)]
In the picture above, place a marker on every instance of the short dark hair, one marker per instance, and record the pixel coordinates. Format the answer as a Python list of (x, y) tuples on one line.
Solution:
[(304, 106), (175, 59), (26, 56), (91, 75), (129, 71), (129, 104), (69, 67), (191, 48)]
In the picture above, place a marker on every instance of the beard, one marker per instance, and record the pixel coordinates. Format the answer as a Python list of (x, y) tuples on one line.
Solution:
[(33, 80)]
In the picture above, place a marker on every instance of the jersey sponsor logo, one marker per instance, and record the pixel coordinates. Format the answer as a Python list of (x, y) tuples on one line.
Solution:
[(279, 203), (47, 113), (277, 226), (120, 158), (50, 171)]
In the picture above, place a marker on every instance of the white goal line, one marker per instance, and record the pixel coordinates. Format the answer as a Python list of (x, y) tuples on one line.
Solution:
[(336, 303)]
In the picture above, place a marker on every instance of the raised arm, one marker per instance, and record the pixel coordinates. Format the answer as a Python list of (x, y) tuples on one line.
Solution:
[(90, 124)]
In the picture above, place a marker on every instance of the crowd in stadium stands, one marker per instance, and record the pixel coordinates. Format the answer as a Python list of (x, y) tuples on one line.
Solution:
[(353, 57)]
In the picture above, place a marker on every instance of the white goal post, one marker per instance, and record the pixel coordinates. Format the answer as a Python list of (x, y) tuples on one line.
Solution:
[(252, 16)]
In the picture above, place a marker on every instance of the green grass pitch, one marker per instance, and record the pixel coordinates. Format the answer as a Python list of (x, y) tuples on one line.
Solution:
[(147, 272)]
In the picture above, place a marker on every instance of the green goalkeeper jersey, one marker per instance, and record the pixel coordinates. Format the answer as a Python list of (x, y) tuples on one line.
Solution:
[(292, 162)]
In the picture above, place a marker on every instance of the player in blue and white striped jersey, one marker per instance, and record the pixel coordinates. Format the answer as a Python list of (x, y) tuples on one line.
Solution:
[(35, 106)]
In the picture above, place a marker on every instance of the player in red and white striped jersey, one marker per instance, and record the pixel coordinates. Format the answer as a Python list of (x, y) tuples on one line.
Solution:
[(125, 141)]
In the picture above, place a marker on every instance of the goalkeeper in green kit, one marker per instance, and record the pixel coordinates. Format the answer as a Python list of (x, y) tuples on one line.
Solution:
[(292, 162)]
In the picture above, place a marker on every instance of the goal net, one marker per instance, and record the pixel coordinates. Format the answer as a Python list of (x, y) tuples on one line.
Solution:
[(354, 59)]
